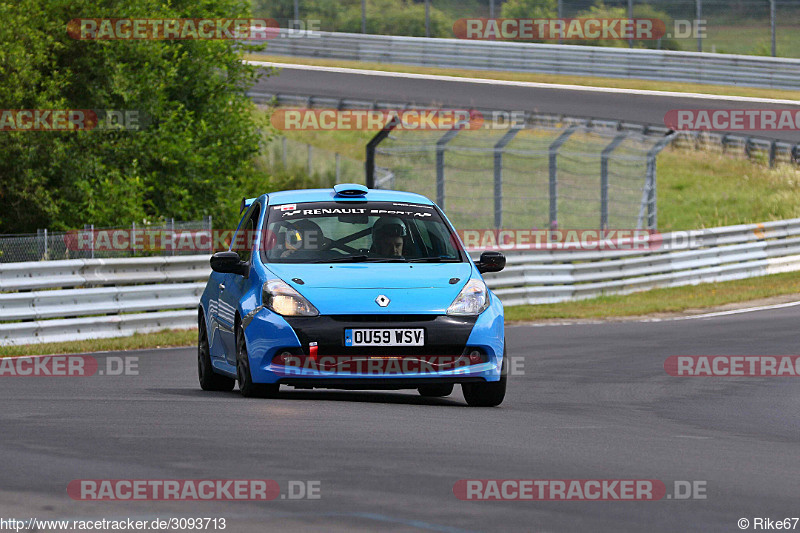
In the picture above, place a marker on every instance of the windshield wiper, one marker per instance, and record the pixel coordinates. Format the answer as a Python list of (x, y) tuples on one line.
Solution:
[(433, 260), (356, 258)]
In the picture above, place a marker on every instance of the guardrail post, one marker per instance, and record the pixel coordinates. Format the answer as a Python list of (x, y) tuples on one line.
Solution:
[(604, 178), (440, 147), (498, 176), (773, 147), (553, 165)]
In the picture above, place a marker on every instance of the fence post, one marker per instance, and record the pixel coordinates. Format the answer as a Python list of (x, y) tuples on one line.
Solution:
[(498, 176), (604, 178), (440, 147), (363, 16), (211, 235), (560, 16), (372, 145), (308, 161), (133, 238), (772, 25), (427, 18), (553, 166), (172, 231), (283, 153), (698, 17), (649, 195), (338, 168), (630, 17), (40, 247)]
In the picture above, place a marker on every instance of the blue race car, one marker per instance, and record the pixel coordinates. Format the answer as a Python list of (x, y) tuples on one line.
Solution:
[(351, 288)]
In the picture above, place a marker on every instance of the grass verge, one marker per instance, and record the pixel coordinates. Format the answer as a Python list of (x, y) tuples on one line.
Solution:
[(587, 81), (669, 300), (137, 341)]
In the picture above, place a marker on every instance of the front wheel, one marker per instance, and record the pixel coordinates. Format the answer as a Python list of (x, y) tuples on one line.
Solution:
[(245, 378), (209, 380), (489, 393)]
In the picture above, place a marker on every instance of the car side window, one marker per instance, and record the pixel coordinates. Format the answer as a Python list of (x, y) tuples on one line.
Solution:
[(244, 239)]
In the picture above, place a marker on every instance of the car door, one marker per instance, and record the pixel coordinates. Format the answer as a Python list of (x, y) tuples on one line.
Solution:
[(234, 286)]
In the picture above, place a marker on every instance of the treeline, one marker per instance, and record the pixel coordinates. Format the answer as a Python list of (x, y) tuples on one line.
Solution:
[(407, 17)]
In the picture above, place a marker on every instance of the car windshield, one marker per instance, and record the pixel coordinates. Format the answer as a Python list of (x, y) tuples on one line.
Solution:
[(341, 232)]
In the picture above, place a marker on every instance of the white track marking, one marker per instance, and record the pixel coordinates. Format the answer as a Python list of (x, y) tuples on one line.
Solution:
[(532, 84), (579, 322)]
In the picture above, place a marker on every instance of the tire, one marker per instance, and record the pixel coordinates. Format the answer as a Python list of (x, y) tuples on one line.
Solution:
[(209, 380), (436, 391), (246, 385), (490, 393)]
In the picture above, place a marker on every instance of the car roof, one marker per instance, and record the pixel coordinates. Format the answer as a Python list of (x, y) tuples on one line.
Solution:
[(328, 195)]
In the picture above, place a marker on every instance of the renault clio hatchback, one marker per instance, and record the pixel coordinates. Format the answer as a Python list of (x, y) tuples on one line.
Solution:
[(351, 288)]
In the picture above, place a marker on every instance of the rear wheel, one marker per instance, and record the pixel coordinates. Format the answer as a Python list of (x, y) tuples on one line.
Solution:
[(209, 380), (246, 385), (436, 391), (489, 393)]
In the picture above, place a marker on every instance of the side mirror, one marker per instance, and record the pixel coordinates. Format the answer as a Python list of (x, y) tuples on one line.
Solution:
[(229, 263), (491, 262)]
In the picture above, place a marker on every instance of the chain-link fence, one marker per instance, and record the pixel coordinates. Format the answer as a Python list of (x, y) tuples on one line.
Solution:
[(323, 167), (546, 176), (92, 242), (753, 27)]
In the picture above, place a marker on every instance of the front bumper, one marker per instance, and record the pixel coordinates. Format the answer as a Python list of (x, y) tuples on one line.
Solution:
[(445, 336)]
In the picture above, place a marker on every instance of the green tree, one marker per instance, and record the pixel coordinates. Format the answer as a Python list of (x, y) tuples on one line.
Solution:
[(530, 9), (194, 155)]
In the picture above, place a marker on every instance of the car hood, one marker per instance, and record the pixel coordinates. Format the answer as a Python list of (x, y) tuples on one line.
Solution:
[(353, 288)]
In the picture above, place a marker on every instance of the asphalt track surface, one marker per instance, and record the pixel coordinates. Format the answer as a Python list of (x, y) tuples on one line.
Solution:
[(639, 108), (594, 402)]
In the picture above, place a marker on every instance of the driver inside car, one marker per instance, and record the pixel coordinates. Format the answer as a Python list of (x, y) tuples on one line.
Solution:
[(389, 239)]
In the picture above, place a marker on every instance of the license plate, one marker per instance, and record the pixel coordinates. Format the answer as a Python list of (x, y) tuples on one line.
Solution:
[(384, 337)]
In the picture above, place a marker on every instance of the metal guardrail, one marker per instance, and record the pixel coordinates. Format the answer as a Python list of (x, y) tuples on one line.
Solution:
[(718, 254), (99, 298), (661, 65), (770, 151)]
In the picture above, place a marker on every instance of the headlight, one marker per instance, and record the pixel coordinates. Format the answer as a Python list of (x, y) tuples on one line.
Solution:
[(284, 300), (472, 300)]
